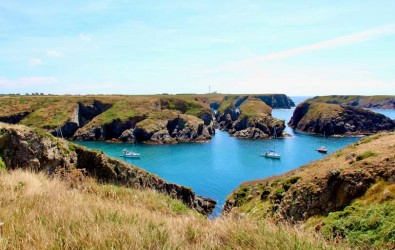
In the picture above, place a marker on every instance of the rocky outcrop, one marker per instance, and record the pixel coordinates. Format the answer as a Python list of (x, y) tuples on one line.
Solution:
[(175, 128), (34, 149), (14, 118), (252, 120), (276, 101), (320, 187), (81, 115), (333, 119)]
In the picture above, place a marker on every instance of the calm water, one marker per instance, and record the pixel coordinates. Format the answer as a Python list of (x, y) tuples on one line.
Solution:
[(216, 168)]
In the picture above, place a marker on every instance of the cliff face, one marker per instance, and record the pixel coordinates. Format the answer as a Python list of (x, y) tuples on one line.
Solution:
[(334, 119), (251, 119), (320, 187), (34, 149), (376, 102)]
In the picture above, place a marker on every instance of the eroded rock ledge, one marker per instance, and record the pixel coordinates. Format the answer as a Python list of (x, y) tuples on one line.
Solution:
[(37, 150)]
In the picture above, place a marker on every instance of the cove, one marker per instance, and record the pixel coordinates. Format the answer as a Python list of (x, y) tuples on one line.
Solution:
[(214, 169)]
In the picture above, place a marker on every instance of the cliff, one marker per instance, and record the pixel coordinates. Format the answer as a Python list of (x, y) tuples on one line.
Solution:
[(333, 119), (36, 150), (352, 181), (375, 102), (123, 118), (249, 117), (155, 119)]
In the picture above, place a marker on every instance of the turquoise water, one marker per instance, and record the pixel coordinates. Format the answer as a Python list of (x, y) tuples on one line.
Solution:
[(215, 168)]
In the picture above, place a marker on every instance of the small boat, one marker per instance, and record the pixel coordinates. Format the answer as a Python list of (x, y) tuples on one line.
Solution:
[(322, 149), (127, 154), (271, 154)]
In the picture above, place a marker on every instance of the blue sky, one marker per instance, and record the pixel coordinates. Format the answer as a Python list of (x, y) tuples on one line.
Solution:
[(149, 47)]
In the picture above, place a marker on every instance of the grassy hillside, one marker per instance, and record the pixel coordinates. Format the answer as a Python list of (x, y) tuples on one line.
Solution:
[(70, 212), (378, 101), (349, 195)]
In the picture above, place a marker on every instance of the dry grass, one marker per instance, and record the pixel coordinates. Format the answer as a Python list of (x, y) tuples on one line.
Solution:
[(43, 213)]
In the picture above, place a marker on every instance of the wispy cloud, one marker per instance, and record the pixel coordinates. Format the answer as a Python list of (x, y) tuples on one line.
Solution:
[(359, 37), (54, 53), (85, 37), (35, 62)]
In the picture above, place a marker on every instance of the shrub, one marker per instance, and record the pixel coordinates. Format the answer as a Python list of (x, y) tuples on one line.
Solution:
[(365, 155)]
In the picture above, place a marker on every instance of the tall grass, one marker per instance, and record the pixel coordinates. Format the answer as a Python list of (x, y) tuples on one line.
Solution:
[(43, 213)]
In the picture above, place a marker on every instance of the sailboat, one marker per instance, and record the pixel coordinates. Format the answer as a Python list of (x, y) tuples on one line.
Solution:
[(272, 153)]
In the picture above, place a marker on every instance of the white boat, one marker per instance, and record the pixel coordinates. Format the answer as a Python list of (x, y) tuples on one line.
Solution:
[(272, 153), (127, 154)]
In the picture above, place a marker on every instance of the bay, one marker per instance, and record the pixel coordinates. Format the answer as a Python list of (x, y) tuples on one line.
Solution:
[(214, 169)]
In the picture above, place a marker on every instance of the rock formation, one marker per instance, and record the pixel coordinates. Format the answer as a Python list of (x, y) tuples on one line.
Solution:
[(333, 119), (251, 119), (35, 149)]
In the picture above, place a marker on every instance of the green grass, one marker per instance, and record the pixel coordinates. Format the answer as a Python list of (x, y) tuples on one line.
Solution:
[(3, 167), (365, 155), (253, 108), (369, 221)]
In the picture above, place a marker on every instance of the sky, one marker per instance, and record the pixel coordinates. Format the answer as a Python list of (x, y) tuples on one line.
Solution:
[(304, 48)]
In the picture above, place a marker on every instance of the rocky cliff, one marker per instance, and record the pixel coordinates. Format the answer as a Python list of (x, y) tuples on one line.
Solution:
[(37, 150), (333, 119), (149, 119), (251, 118), (321, 187), (375, 102)]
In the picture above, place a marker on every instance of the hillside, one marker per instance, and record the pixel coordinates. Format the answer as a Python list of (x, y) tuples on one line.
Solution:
[(66, 213), (150, 119), (37, 150), (348, 195), (334, 119), (375, 102)]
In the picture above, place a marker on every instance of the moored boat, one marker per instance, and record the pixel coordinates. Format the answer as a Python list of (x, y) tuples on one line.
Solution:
[(271, 154), (127, 154), (322, 149)]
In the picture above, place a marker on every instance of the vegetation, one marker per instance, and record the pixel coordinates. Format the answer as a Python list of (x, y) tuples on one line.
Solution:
[(323, 112), (43, 213), (2, 165), (354, 100), (365, 155), (369, 221), (254, 108)]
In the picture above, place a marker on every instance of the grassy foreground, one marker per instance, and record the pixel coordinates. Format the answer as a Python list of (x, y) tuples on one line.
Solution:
[(39, 212)]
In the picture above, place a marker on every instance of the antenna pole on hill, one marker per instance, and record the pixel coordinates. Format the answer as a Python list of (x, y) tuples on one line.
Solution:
[(209, 89)]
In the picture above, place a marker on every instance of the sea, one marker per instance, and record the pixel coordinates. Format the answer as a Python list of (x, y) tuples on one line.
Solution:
[(214, 169)]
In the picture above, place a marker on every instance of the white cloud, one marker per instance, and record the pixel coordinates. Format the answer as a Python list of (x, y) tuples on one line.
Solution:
[(370, 34), (54, 53), (85, 37), (35, 62)]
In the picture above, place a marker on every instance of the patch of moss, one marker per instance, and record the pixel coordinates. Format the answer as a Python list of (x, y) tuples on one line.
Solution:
[(3, 167), (365, 155)]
